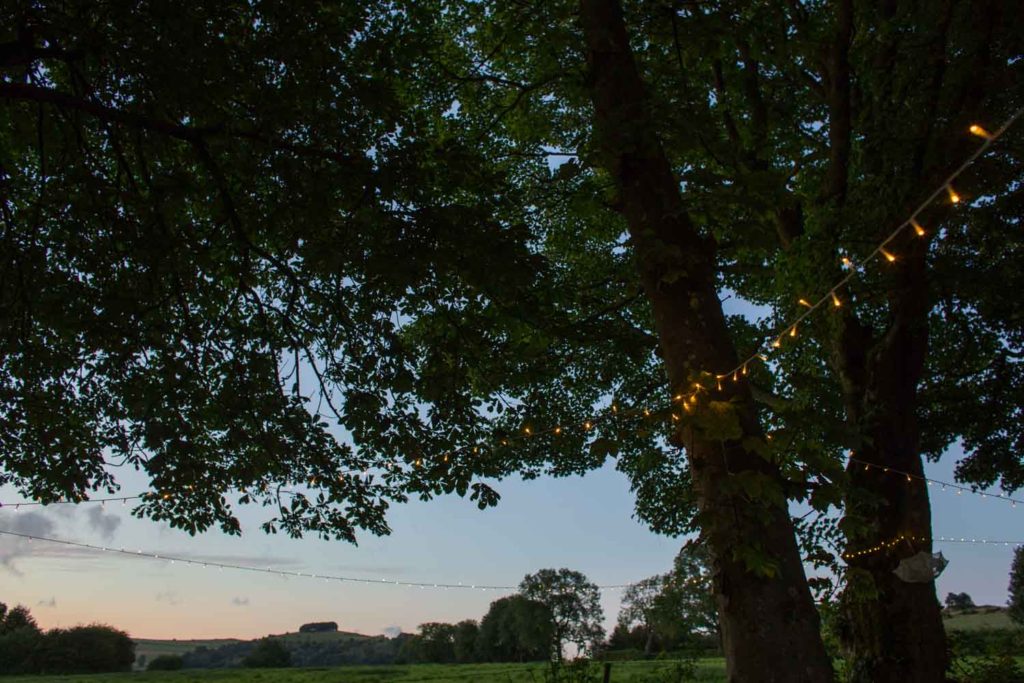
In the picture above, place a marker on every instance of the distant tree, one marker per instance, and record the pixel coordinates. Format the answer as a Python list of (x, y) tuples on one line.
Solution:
[(165, 663), (1016, 602), (625, 638), (686, 605), (639, 607), (17, 618), (465, 637), (575, 605), (515, 629), (668, 609), (437, 642), (84, 649), (270, 653), (959, 601)]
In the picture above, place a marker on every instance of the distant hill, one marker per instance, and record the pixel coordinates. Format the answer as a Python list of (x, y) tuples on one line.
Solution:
[(308, 649), (975, 618)]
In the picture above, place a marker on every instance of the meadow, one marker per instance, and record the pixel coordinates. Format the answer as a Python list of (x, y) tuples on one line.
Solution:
[(710, 670)]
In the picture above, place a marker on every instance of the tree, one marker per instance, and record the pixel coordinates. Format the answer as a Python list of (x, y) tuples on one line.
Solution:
[(515, 629), (18, 618), (959, 601), (465, 641), (575, 605), (192, 278), (638, 608), (672, 607), (269, 653), (437, 642), (1015, 605)]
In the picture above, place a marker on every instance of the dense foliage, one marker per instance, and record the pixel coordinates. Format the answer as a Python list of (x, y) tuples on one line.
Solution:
[(25, 649), (1016, 589)]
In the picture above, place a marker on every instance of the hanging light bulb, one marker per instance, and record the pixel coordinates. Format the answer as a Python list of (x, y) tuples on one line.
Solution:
[(805, 302), (792, 331), (889, 256), (835, 299), (847, 262), (953, 196), (921, 232), (975, 129)]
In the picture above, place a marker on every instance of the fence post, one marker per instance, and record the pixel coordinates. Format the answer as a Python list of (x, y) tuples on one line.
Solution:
[(607, 672)]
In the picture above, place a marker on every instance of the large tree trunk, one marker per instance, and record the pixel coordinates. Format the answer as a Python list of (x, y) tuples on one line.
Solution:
[(770, 628), (891, 629)]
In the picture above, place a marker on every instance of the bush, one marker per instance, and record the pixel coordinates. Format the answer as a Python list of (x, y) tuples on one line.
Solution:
[(84, 649), (268, 654), (165, 663)]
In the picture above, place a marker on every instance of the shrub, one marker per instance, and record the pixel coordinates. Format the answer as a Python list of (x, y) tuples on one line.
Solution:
[(268, 654), (165, 663)]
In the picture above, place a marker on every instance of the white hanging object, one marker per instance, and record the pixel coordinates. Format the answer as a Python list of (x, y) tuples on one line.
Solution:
[(921, 568)]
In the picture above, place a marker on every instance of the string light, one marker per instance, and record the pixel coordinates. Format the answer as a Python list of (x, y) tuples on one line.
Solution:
[(911, 539), (853, 267), (285, 573), (975, 129), (835, 299), (910, 476)]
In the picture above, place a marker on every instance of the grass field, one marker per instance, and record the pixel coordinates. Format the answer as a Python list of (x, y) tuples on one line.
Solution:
[(708, 670), (984, 618)]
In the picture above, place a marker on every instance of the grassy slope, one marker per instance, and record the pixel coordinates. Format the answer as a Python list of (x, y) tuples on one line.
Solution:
[(155, 648), (709, 671), (983, 618)]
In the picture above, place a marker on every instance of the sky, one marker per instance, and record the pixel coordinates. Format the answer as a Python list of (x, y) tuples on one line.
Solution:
[(584, 523)]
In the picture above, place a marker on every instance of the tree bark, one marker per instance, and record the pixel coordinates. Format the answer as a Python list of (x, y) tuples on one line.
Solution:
[(770, 628), (891, 630)]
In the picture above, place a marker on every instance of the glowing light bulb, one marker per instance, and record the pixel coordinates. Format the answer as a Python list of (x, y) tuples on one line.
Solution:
[(975, 129), (805, 302), (835, 300), (792, 331), (889, 256), (953, 196), (847, 262), (921, 232)]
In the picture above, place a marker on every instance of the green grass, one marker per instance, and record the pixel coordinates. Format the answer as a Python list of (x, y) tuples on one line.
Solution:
[(984, 617), (711, 670)]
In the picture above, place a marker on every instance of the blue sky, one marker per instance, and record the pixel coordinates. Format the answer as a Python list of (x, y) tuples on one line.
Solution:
[(581, 522)]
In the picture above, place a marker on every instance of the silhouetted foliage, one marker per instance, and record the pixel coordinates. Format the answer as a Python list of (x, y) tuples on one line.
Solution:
[(575, 605), (959, 601), (515, 629), (269, 653), (165, 663), (1015, 605)]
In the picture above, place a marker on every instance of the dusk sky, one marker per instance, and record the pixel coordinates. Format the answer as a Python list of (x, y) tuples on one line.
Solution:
[(583, 523)]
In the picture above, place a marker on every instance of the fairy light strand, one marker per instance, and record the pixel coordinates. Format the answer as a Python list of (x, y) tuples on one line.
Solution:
[(854, 267), (284, 573), (689, 399), (911, 539), (932, 482)]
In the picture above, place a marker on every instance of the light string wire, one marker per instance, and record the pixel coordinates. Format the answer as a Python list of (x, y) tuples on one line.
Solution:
[(689, 399), (931, 482), (910, 539), (285, 573), (854, 267), (269, 570)]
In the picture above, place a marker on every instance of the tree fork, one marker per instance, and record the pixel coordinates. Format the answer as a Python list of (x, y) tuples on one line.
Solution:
[(770, 628)]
